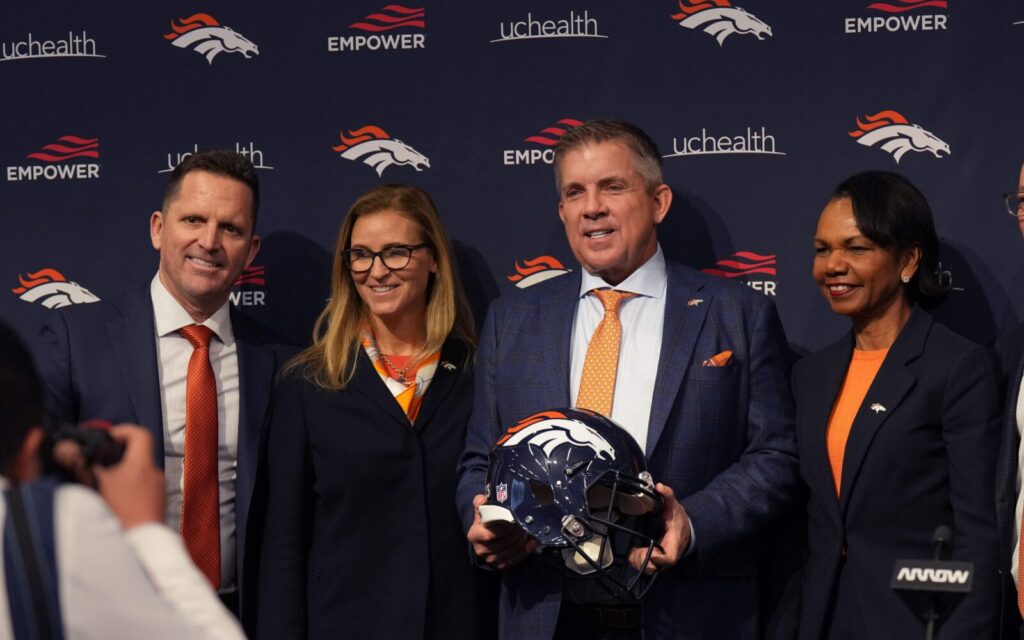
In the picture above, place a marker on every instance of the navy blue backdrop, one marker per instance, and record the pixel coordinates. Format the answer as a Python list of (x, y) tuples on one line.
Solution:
[(758, 111)]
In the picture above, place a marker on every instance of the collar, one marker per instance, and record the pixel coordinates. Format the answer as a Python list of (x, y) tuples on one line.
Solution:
[(650, 280), (169, 316)]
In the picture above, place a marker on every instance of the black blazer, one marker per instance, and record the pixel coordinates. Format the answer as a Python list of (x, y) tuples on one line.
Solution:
[(362, 537), (1010, 350), (921, 453)]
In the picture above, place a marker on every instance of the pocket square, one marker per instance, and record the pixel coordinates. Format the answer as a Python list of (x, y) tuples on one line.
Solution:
[(719, 359)]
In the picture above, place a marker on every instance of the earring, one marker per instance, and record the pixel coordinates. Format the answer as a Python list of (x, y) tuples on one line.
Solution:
[(905, 279)]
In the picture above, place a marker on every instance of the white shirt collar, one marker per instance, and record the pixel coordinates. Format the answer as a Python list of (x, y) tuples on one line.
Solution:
[(169, 315), (650, 280)]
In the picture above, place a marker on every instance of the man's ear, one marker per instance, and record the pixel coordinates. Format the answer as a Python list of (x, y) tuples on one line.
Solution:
[(26, 466)]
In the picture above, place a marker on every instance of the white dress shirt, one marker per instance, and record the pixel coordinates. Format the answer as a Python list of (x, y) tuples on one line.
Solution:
[(643, 321), (173, 354), (138, 583)]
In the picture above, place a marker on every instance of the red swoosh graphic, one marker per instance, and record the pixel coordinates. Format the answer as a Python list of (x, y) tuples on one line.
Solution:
[(889, 8), (365, 26), (733, 274), (46, 157)]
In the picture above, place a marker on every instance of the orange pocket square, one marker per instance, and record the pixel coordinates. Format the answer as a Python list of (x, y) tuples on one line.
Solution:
[(719, 359)]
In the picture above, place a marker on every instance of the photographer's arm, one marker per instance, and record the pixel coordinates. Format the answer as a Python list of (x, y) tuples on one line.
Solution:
[(132, 576)]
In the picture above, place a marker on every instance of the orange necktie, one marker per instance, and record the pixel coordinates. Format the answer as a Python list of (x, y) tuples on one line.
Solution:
[(597, 386), (200, 500)]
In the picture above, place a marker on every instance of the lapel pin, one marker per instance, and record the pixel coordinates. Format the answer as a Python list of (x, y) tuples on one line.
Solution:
[(877, 408), (448, 366), (694, 302)]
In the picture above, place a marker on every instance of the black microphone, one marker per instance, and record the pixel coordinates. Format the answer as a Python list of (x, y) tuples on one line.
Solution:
[(943, 535)]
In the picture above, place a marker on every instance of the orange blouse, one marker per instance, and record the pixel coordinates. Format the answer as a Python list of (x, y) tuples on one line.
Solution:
[(864, 367)]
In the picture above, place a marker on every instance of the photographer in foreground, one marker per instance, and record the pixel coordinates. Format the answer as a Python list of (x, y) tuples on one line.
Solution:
[(82, 568)]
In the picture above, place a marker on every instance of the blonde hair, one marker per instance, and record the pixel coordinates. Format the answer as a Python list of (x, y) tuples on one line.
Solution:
[(331, 361)]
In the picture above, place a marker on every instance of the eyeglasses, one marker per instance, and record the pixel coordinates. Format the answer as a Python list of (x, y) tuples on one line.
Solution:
[(394, 257), (1013, 202)]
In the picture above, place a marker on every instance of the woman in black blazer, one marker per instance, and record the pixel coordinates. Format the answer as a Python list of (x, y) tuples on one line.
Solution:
[(897, 425), (362, 538)]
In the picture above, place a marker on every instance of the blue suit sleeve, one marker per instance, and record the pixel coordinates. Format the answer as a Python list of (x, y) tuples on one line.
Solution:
[(484, 427), (53, 360)]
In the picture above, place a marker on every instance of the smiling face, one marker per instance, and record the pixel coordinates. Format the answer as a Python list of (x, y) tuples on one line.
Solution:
[(609, 211), (205, 239), (392, 295), (858, 277)]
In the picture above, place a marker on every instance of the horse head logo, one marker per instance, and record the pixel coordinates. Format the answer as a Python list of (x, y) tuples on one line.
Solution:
[(551, 429), (208, 37), (52, 290), (375, 147), (895, 135), (720, 19)]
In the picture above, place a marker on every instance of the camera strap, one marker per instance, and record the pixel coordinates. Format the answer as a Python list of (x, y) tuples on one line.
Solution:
[(30, 562)]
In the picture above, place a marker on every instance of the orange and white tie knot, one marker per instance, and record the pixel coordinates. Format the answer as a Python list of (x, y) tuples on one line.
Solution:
[(597, 386)]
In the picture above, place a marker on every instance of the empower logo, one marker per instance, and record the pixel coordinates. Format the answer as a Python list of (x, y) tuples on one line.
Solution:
[(893, 20), (54, 155), (720, 19), (374, 147), (537, 270), (388, 18), (51, 289), (253, 276), (890, 131), (546, 139), (203, 34), (753, 267)]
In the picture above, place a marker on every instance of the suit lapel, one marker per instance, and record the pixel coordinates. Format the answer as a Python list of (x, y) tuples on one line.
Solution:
[(561, 306), (884, 396), (367, 382), (133, 337), (821, 385), (442, 384), (682, 325)]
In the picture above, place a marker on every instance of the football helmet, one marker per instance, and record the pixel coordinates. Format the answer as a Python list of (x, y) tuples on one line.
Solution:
[(578, 483)]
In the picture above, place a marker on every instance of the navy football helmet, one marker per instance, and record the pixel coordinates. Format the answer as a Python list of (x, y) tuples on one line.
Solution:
[(578, 483)]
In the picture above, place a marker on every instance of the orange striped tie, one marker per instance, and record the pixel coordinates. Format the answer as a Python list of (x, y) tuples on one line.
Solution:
[(597, 386), (200, 499)]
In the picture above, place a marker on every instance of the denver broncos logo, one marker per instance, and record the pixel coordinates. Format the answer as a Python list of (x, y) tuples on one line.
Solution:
[(550, 430), (51, 289), (894, 134), (375, 147), (535, 271), (720, 19), (208, 37)]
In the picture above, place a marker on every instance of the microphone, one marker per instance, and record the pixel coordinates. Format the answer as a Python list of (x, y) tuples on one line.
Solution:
[(943, 535)]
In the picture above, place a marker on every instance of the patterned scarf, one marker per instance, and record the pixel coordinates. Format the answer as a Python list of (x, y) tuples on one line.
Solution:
[(409, 394)]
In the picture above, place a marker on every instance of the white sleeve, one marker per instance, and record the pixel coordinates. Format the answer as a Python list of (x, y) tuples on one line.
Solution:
[(139, 584)]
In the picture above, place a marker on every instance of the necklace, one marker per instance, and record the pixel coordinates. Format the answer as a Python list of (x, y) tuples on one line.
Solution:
[(398, 372)]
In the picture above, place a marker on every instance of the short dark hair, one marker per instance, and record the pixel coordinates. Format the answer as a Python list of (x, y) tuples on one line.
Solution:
[(222, 162), (646, 157), (893, 213), (21, 396)]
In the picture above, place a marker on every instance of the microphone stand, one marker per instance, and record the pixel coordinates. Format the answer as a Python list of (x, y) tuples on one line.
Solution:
[(939, 539)]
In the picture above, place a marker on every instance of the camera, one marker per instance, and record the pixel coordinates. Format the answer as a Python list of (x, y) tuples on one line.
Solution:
[(93, 439)]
